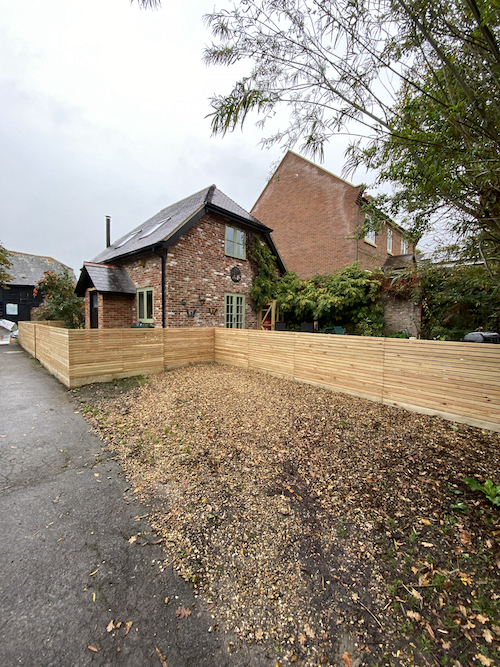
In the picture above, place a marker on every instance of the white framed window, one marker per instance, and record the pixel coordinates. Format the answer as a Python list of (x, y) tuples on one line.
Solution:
[(370, 236), (235, 243), (145, 311), (389, 239), (234, 311), (404, 246)]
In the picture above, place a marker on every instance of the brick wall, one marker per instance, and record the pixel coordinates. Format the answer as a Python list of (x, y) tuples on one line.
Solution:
[(401, 314), (195, 265), (314, 215), (115, 312)]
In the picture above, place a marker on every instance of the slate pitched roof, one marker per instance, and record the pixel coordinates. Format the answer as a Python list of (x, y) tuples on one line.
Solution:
[(106, 279), (165, 227), (28, 269)]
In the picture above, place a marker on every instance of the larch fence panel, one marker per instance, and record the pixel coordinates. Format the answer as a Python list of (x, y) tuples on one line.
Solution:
[(351, 364), (459, 381), (231, 347), (100, 355), (27, 337), (188, 346), (52, 351), (271, 352)]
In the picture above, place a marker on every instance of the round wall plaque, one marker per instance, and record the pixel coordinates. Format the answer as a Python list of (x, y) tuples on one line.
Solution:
[(235, 274)]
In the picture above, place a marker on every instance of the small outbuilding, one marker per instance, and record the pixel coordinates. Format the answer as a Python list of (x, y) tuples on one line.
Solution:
[(17, 299)]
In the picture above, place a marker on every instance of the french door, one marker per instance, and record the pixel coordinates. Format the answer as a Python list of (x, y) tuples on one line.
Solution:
[(234, 311)]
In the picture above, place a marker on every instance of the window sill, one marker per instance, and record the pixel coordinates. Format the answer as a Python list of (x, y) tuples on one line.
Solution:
[(373, 245)]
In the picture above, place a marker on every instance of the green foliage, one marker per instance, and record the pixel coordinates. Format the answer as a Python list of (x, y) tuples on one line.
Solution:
[(333, 65), (60, 300), (488, 489), (455, 300), (5, 263), (266, 277), (348, 296)]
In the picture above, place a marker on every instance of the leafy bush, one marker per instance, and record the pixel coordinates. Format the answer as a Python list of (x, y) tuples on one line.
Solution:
[(348, 297), (455, 300), (60, 301)]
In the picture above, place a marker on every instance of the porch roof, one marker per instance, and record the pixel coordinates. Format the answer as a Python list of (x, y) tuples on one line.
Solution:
[(106, 279)]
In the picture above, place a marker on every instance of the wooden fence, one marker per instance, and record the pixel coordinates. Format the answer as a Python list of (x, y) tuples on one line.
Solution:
[(82, 356), (458, 381)]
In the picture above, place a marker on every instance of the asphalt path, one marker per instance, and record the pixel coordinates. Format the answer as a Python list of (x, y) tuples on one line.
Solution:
[(75, 554)]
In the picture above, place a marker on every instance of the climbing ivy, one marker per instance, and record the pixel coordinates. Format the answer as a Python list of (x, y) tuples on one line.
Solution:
[(266, 277)]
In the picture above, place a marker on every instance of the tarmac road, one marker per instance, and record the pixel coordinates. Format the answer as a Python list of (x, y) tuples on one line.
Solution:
[(66, 566)]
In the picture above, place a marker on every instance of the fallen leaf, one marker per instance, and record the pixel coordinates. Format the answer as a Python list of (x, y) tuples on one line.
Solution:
[(426, 522), (426, 544), (446, 645), (302, 638), (430, 631), (182, 612), (166, 600), (259, 634), (482, 619), (425, 579), (488, 636), (128, 626), (162, 658), (93, 648), (416, 594), (137, 489), (347, 659), (133, 539), (484, 660), (465, 538), (414, 615), (110, 626), (462, 609), (496, 629)]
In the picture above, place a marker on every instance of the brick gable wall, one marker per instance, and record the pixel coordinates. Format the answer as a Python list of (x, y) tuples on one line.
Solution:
[(314, 216), (195, 265)]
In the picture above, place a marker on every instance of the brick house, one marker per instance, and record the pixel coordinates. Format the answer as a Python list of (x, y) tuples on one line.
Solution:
[(315, 216), (185, 266)]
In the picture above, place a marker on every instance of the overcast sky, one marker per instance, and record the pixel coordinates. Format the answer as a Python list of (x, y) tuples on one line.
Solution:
[(103, 112)]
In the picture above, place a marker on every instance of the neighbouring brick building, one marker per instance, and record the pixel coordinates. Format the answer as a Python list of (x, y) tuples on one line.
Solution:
[(186, 266), (315, 216)]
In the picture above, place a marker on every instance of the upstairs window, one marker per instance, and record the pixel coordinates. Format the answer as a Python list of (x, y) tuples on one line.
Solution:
[(404, 247), (370, 236), (235, 242), (389, 239), (145, 305)]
